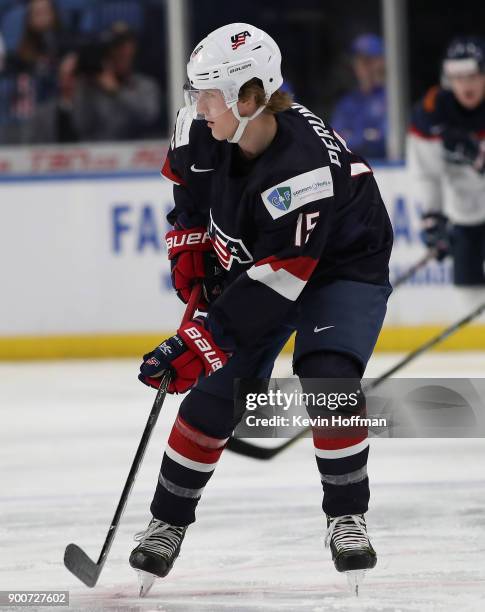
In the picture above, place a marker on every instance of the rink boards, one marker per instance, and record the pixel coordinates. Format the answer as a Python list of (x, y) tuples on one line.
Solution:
[(84, 268)]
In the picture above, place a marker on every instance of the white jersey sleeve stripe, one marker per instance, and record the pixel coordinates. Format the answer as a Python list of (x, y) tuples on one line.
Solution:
[(281, 281), (359, 168), (182, 128)]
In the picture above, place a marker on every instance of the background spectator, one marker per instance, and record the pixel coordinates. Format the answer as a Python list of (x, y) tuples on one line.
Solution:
[(101, 97), (360, 116), (41, 46), (17, 98), (30, 74), (115, 102), (310, 36)]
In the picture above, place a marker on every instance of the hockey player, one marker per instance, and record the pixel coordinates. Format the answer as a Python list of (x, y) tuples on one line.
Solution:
[(302, 240), (446, 155)]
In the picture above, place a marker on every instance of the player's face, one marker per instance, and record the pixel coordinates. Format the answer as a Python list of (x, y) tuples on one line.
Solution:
[(469, 89), (224, 126), (210, 104), (369, 71), (220, 119)]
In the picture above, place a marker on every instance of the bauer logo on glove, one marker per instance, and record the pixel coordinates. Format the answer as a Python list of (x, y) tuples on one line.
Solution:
[(205, 347), (193, 260), (189, 354), (180, 240)]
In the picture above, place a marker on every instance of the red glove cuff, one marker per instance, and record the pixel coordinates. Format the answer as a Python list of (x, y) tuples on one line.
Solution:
[(194, 239), (200, 341), (188, 369)]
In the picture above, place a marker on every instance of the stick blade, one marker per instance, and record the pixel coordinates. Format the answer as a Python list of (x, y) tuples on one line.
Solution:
[(247, 449), (241, 447), (78, 563)]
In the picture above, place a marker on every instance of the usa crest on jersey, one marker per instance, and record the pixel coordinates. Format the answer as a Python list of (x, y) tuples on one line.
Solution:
[(228, 249)]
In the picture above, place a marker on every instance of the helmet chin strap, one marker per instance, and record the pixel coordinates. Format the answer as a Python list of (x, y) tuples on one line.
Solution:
[(243, 121)]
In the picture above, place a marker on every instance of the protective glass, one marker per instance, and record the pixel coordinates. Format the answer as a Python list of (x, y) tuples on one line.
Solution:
[(208, 104)]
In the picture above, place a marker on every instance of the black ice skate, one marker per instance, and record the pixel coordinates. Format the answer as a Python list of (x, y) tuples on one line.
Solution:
[(155, 554), (352, 551)]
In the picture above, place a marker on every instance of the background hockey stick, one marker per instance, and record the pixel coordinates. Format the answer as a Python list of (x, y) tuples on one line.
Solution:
[(430, 255), (75, 559), (452, 329), (247, 449)]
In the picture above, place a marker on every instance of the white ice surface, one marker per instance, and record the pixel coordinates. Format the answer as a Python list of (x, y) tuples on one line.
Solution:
[(68, 432)]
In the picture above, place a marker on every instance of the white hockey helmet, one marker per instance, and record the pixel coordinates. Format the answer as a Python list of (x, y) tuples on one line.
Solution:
[(225, 60)]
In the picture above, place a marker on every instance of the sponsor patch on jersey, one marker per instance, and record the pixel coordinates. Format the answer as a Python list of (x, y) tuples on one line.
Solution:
[(281, 198), (299, 190)]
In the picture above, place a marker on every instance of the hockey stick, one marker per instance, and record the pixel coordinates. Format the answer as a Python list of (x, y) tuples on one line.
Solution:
[(75, 559), (259, 452), (430, 255), (241, 447), (430, 343)]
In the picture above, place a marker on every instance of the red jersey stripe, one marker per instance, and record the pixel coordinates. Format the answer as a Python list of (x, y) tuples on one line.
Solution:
[(168, 173), (414, 130)]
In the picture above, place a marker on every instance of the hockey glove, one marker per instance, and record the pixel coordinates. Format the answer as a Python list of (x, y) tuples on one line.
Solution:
[(193, 260), (189, 354), (463, 147), (435, 234)]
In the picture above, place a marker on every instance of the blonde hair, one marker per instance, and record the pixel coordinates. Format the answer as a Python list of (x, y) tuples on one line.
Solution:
[(279, 101)]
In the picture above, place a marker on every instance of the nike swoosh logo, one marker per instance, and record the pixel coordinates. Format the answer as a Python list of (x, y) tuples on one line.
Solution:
[(194, 169), (319, 329)]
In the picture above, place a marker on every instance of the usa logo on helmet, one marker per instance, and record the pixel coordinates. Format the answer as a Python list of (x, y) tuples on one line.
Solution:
[(239, 39)]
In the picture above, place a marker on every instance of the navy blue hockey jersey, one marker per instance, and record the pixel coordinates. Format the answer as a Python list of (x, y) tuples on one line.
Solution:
[(444, 142), (440, 111), (304, 212)]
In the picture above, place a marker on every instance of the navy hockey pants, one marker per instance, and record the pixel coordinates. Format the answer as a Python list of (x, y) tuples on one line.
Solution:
[(468, 250), (336, 327)]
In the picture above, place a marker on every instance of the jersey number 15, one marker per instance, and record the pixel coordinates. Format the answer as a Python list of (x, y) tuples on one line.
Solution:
[(304, 226)]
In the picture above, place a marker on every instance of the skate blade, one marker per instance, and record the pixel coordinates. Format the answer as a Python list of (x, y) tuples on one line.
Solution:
[(354, 580), (145, 582)]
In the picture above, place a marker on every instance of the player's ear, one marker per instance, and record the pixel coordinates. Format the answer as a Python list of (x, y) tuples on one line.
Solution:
[(247, 105)]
